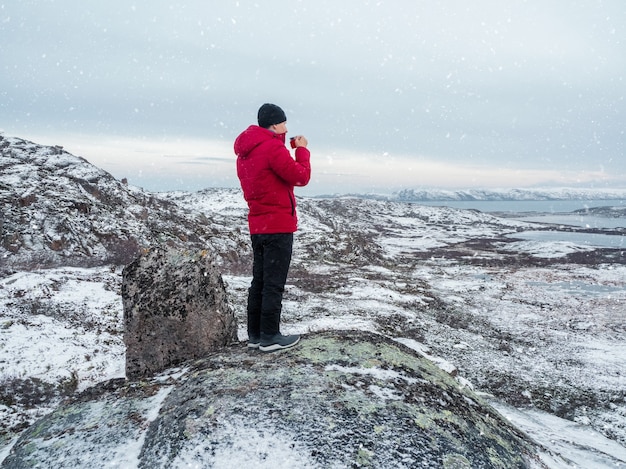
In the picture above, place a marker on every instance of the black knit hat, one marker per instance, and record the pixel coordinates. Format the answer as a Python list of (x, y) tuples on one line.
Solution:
[(270, 114)]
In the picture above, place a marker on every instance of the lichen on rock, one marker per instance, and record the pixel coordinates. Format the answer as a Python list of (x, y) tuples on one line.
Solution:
[(339, 399)]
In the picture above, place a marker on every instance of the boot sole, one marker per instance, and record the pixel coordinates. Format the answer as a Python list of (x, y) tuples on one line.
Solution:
[(275, 347)]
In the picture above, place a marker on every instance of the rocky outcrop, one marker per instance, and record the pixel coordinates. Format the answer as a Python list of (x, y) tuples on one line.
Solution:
[(58, 209), (175, 309), (339, 399)]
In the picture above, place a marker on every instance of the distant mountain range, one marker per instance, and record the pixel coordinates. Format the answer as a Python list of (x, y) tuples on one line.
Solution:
[(512, 194), (563, 193)]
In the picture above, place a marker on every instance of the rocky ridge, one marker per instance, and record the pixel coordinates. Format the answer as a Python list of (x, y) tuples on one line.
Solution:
[(58, 209)]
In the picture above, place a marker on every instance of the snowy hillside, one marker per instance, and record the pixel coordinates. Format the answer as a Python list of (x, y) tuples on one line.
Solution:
[(58, 209), (535, 325)]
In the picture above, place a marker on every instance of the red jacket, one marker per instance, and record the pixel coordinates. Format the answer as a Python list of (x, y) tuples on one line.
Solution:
[(268, 174)]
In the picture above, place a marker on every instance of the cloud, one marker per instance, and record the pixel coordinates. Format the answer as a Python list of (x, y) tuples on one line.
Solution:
[(526, 86), (387, 173), (195, 164)]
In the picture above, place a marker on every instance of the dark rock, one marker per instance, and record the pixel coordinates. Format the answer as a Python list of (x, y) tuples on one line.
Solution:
[(339, 399), (175, 309)]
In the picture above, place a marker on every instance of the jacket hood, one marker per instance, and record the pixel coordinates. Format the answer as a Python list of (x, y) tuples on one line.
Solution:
[(252, 137)]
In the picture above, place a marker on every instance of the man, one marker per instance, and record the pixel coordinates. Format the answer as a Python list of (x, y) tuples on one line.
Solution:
[(268, 173)]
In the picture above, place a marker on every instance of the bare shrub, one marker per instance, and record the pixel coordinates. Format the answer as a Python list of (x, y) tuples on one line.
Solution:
[(31, 392), (75, 315)]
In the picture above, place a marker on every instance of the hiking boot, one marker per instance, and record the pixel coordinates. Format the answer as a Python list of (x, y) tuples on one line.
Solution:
[(254, 341), (271, 343)]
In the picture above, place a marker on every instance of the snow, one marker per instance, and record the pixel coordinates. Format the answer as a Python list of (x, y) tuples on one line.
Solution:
[(35, 345), (552, 250), (249, 447), (59, 322), (378, 373), (576, 441), (127, 455), (440, 362), (586, 241)]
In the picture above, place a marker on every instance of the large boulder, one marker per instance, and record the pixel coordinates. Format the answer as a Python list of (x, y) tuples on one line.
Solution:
[(338, 399), (175, 309)]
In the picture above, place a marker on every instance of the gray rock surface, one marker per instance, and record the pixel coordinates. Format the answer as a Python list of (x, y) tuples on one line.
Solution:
[(338, 399), (175, 309)]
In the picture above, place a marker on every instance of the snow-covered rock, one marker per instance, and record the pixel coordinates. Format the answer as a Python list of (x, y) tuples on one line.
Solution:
[(340, 399)]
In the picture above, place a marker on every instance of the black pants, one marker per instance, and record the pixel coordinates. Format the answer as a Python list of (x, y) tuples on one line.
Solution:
[(272, 256)]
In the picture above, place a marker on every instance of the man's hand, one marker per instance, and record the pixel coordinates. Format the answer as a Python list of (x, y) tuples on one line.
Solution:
[(301, 141)]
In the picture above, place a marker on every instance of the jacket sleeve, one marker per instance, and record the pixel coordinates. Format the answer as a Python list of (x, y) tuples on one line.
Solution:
[(294, 172)]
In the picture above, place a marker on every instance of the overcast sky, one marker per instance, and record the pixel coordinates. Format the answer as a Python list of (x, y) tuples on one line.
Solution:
[(390, 94)]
